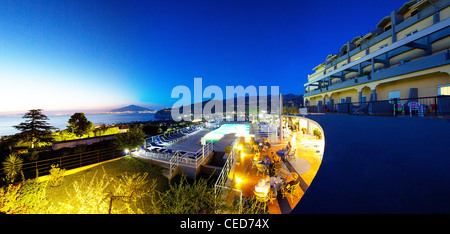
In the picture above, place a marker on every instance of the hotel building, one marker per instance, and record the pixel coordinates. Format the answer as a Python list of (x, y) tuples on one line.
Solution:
[(407, 56)]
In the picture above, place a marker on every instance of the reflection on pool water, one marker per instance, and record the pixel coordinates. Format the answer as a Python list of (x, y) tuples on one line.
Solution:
[(239, 129)]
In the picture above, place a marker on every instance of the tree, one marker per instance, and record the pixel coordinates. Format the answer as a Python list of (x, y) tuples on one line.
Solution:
[(188, 198), (79, 124), (131, 139), (12, 166), (36, 128)]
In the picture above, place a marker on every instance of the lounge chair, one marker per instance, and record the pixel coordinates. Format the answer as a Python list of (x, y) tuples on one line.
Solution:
[(292, 190), (153, 144), (276, 168), (292, 154)]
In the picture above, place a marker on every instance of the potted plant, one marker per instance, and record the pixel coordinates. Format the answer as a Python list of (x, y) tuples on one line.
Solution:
[(304, 130), (317, 133), (228, 149)]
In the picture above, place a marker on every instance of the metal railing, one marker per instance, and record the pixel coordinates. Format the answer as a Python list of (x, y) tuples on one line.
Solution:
[(176, 157), (269, 131), (206, 150), (423, 106), (173, 163), (200, 155), (223, 176), (222, 188)]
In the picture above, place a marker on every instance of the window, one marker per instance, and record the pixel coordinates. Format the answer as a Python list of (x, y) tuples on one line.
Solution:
[(381, 47), (387, 28), (393, 95), (342, 100), (444, 89), (414, 12), (411, 33)]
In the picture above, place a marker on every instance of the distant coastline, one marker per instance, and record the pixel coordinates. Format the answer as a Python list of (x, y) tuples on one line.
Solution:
[(125, 112), (60, 120)]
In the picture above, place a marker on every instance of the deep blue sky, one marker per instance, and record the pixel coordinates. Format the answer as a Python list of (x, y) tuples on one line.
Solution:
[(81, 55)]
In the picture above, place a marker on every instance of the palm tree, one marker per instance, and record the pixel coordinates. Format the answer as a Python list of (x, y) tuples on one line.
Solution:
[(12, 166)]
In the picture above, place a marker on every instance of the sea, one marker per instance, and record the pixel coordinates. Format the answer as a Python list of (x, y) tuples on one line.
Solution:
[(60, 121)]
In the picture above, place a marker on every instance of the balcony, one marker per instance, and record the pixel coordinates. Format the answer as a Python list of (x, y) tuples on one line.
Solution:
[(423, 63), (421, 40)]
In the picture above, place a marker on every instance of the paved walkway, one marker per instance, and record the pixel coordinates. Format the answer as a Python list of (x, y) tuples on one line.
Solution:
[(284, 205), (375, 164)]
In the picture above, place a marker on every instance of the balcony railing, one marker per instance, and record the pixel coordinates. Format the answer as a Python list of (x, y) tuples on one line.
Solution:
[(437, 106), (413, 65), (404, 42)]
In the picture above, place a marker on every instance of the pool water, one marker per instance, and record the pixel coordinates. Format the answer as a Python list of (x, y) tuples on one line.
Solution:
[(216, 135)]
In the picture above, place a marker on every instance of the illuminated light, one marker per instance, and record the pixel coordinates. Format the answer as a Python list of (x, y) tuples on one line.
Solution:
[(238, 129), (238, 180), (127, 151), (239, 147)]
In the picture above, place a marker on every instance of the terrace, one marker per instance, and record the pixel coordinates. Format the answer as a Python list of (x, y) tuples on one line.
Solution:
[(247, 151), (245, 168)]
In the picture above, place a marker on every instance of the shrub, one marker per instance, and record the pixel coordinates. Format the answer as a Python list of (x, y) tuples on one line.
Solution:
[(317, 132), (25, 198), (228, 149), (185, 198), (130, 189), (9, 197), (88, 197)]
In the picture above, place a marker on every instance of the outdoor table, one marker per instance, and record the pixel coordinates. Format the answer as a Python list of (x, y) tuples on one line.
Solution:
[(265, 163)]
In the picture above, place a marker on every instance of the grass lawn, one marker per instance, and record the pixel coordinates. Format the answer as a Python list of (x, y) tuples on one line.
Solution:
[(66, 194)]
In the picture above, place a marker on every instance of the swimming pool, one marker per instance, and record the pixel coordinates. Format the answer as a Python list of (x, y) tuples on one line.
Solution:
[(239, 129)]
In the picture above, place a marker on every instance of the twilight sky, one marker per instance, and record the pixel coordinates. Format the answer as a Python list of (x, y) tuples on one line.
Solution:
[(97, 55)]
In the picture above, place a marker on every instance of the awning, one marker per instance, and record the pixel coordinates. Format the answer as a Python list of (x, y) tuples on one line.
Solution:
[(419, 3), (355, 39), (403, 9), (384, 21)]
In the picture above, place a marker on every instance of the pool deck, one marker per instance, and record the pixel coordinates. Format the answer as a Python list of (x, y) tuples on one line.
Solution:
[(226, 140), (192, 143)]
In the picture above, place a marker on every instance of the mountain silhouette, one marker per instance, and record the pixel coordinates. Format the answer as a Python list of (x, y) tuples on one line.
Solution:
[(132, 108)]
